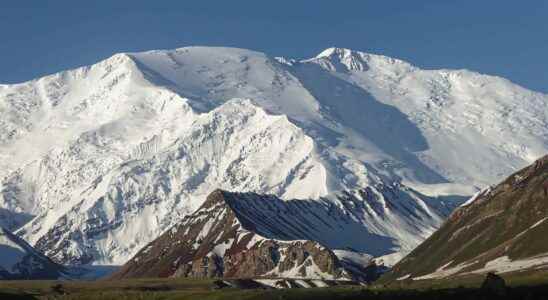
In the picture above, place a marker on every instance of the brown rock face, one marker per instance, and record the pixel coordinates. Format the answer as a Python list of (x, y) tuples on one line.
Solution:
[(204, 267), (214, 242), (257, 261), (269, 255)]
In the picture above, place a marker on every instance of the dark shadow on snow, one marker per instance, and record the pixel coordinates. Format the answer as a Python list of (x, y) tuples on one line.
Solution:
[(384, 125), (316, 220)]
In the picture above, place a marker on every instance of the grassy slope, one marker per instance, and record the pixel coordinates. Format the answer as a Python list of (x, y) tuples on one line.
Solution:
[(202, 289), (495, 225)]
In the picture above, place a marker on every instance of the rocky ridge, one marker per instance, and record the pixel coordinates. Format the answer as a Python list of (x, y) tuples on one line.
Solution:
[(223, 239)]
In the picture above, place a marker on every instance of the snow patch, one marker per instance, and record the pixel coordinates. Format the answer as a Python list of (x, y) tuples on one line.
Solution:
[(503, 264)]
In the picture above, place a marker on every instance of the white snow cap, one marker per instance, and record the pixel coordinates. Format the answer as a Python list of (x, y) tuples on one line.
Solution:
[(106, 157)]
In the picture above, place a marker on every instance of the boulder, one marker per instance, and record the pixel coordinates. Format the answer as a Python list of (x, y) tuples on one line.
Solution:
[(494, 285)]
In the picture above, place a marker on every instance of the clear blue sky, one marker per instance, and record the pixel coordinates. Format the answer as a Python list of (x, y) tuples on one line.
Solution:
[(500, 37)]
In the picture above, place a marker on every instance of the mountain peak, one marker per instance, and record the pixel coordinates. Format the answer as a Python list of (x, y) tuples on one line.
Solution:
[(230, 228), (246, 235), (342, 59), (335, 51)]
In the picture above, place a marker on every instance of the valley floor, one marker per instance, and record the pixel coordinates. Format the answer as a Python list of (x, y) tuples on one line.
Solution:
[(521, 286)]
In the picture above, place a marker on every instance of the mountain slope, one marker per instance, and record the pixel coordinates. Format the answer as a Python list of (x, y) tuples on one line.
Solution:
[(236, 146), (18, 260), (451, 110), (250, 236), (242, 224), (502, 229), (98, 161)]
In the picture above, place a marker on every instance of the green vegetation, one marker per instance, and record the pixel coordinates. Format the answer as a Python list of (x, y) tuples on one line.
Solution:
[(530, 286), (506, 221), (514, 279)]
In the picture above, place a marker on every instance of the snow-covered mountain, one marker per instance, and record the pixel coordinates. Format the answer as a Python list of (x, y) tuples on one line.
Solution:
[(18, 260), (251, 235), (98, 161), (236, 235)]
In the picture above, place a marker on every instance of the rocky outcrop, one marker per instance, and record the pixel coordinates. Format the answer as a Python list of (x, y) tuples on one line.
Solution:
[(225, 239)]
